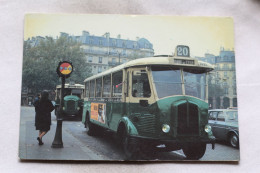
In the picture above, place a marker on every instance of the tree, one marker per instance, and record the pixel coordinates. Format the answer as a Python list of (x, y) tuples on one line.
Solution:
[(40, 63)]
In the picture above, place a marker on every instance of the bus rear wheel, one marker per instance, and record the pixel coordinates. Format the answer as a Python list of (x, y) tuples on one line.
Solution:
[(194, 151), (89, 127)]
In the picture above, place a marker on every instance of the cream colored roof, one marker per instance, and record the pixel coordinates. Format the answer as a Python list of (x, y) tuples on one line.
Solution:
[(72, 86), (158, 60)]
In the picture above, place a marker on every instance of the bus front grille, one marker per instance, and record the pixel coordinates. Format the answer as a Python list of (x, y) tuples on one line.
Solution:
[(71, 105), (146, 125), (188, 119)]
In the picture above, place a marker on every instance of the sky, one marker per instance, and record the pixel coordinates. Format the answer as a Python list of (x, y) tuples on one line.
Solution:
[(201, 34)]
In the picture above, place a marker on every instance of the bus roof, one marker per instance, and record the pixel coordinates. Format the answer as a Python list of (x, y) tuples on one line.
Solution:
[(158, 60), (71, 86)]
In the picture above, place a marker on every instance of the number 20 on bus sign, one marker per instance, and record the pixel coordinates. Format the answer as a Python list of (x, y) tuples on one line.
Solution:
[(183, 51)]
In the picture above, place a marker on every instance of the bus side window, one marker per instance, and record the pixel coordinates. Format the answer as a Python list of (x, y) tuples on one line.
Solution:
[(107, 86), (92, 88), (117, 84), (140, 84), (98, 87), (87, 89)]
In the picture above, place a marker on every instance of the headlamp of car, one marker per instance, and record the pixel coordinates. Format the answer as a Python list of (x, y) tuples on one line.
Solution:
[(207, 128), (166, 128)]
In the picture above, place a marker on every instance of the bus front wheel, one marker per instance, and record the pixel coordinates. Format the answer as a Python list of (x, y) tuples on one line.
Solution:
[(194, 151), (130, 149)]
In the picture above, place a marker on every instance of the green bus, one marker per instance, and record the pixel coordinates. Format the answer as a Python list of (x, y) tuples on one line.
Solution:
[(155, 103), (73, 100)]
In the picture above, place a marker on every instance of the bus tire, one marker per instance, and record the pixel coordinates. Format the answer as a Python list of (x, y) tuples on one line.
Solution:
[(130, 149), (194, 151), (89, 126)]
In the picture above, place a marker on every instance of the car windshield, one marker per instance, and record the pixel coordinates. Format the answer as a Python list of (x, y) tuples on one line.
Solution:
[(167, 81), (195, 83), (232, 116)]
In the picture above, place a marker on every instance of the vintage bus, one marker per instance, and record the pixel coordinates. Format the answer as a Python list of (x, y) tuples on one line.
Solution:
[(73, 100), (156, 103)]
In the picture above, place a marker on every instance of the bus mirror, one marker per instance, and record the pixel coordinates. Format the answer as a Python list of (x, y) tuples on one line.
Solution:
[(137, 73), (144, 103)]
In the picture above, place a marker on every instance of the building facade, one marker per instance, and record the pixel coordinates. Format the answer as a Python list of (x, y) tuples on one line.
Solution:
[(104, 52), (223, 79)]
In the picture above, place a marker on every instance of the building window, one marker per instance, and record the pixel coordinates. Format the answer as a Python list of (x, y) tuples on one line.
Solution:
[(100, 60), (99, 69), (234, 91), (225, 74), (90, 59), (100, 42), (114, 43), (113, 61), (226, 91), (124, 44), (124, 61), (225, 66), (90, 49), (91, 41)]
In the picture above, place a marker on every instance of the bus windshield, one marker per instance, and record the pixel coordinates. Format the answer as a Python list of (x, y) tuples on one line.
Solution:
[(167, 81), (195, 83), (75, 92)]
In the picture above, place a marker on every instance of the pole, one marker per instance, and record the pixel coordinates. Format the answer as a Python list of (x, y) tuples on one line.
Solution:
[(119, 57), (57, 142)]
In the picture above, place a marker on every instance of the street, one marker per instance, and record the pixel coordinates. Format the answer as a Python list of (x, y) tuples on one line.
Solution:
[(79, 146)]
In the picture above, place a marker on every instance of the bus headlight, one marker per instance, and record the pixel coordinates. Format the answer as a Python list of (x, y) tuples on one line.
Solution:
[(165, 128), (78, 108), (63, 108), (207, 128)]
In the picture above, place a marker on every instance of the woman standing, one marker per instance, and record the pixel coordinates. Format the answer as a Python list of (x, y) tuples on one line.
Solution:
[(43, 109)]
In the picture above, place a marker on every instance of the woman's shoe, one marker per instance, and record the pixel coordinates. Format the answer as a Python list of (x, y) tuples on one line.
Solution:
[(40, 141)]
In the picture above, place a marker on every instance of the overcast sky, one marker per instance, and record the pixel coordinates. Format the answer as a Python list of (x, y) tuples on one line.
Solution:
[(201, 34)]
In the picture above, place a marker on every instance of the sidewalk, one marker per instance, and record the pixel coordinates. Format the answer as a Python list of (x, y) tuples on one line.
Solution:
[(73, 148)]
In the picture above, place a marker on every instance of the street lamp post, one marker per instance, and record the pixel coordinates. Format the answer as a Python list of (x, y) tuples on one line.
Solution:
[(64, 70)]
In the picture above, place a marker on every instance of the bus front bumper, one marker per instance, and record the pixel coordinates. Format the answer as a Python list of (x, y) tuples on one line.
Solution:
[(178, 142)]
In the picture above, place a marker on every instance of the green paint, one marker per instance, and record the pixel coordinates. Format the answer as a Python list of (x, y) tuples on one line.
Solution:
[(148, 121)]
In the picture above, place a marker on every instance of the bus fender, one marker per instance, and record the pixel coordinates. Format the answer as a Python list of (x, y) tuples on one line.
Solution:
[(129, 126)]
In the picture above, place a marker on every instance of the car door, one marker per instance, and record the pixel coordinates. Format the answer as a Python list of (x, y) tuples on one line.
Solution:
[(212, 120), (220, 126)]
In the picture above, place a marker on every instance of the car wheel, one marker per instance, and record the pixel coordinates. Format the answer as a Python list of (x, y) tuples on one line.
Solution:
[(194, 151), (233, 140)]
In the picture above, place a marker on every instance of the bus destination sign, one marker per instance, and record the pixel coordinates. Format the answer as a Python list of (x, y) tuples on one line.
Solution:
[(183, 51)]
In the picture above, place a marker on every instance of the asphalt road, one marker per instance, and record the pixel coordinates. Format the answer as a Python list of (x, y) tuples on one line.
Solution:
[(79, 146)]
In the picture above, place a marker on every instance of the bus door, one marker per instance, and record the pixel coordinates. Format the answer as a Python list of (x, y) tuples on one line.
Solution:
[(139, 92)]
